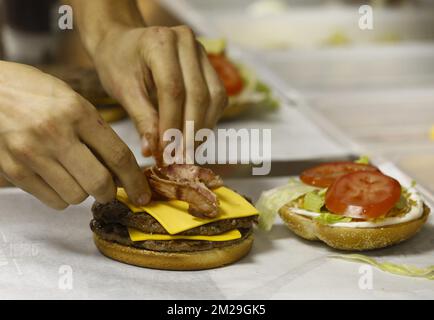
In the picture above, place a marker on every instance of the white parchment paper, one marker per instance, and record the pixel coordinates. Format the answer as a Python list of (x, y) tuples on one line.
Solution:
[(46, 254)]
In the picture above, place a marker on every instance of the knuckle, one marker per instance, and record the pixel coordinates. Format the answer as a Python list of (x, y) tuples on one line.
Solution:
[(48, 128), (185, 30), (21, 148), (219, 96), (122, 157), (80, 107), (174, 89), (101, 184), (16, 174), (58, 205), (163, 33), (201, 96), (77, 198)]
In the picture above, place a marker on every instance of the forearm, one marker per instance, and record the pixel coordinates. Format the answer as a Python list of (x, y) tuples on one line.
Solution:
[(96, 18)]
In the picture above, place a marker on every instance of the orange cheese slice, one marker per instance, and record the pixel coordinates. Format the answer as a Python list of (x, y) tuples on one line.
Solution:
[(174, 217), (136, 235)]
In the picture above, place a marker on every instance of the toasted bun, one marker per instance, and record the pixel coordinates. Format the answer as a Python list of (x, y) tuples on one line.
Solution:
[(198, 260), (356, 239), (111, 113), (233, 110)]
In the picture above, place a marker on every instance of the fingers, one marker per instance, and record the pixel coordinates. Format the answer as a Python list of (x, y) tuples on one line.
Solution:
[(25, 179), (167, 74), (116, 156), (89, 172), (55, 175), (145, 118), (218, 96), (197, 96)]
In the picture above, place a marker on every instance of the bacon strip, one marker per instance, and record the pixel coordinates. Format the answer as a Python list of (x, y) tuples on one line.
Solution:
[(188, 172), (188, 183)]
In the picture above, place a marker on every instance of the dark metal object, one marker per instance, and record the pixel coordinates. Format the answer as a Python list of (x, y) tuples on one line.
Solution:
[(29, 15), (280, 168)]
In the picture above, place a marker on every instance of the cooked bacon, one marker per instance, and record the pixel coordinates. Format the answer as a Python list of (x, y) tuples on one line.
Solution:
[(188, 172), (187, 183)]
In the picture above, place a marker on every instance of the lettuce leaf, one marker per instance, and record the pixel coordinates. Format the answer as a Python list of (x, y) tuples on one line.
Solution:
[(272, 200), (330, 218), (362, 160), (399, 269), (313, 201)]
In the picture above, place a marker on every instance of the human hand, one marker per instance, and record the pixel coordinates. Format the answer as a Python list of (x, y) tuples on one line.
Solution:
[(55, 145), (163, 78)]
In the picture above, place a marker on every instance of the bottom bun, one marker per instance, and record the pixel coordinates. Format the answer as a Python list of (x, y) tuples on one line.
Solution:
[(198, 260), (356, 239)]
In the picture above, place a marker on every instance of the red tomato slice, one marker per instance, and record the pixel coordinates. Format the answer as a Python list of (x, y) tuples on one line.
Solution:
[(325, 174), (228, 73), (363, 194)]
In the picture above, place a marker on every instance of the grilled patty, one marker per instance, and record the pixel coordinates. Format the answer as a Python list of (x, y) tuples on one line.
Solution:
[(115, 212), (118, 233)]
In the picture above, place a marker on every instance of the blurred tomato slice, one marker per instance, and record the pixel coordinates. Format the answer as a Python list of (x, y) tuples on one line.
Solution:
[(228, 73)]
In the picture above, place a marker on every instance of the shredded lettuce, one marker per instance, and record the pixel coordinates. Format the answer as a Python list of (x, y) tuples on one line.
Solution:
[(269, 101), (262, 87), (330, 218), (337, 38), (272, 200), (313, 201), (362, 160), (399, 269), (255, 92), (402, 202)]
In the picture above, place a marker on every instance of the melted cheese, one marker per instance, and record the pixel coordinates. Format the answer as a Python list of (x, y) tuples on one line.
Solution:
[(137, 235), (174, 217)]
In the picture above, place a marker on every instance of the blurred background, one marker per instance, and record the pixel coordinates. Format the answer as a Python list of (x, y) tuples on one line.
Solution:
[(368, 91)]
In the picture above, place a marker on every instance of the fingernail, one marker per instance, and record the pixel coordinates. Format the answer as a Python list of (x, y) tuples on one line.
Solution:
[(146, 151), (145, 143), (144, 199)]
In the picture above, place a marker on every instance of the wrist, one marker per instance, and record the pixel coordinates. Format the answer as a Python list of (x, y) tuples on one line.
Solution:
[(115, 17), (93, 40)]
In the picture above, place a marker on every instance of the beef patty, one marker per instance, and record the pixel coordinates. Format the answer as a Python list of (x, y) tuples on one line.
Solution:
[(115, 212), (118, 233)]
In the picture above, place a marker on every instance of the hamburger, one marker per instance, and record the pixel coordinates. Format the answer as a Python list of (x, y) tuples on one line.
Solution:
[(348, 206), (192, 223), (244, 89)]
